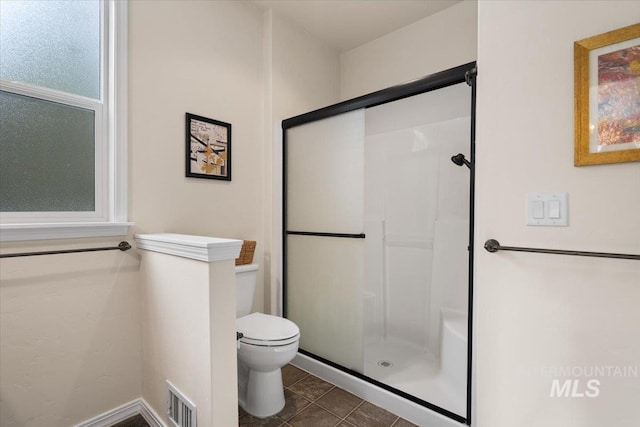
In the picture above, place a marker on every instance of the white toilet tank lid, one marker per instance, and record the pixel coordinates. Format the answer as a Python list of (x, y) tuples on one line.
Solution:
[(246, 267), (264, 327)]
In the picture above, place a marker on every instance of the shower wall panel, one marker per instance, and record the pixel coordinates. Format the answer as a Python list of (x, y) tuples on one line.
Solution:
[(400, 186), (416, 210), (449, 275)]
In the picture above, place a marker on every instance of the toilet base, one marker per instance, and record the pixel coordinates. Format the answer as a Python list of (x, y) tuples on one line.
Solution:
[(260, 390), (264, 394)]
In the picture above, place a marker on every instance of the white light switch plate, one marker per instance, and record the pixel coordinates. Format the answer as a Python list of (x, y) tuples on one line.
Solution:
[(555, 208)]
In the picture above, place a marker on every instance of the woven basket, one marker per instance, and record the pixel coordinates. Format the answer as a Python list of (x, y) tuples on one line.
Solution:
[(246, 253)]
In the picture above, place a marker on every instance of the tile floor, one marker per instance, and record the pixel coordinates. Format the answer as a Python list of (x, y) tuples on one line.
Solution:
[(135, 421), (312, 402)]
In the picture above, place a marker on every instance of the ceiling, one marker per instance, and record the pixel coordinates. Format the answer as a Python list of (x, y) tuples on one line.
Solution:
[(346, 24)]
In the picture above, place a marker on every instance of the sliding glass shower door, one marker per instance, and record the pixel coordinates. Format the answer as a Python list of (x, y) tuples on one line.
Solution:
[(325, 201), (377, 238), (417, 233)]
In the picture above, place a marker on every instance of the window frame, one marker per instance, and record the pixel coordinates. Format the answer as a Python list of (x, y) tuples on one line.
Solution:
[(110, 114)]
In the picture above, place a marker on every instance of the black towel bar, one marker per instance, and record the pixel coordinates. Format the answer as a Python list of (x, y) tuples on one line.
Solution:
[(122, 246), (492, 245), (315, 233)]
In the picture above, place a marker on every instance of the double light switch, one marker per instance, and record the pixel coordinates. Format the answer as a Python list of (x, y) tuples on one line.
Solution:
[(550, 209)]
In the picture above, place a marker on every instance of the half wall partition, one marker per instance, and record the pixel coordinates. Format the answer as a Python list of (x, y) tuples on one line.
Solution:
[(378, 239)]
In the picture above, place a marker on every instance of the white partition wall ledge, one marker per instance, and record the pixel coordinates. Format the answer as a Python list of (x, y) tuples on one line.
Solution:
[(188, 323), (201, 248)]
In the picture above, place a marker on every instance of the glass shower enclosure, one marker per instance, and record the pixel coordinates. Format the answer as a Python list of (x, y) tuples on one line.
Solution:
[(377, 238)]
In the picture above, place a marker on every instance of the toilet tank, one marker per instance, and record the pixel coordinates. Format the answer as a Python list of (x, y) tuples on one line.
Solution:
[(246, 279)]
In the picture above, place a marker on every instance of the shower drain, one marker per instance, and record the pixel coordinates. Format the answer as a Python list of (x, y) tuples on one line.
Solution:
[(385, 363)]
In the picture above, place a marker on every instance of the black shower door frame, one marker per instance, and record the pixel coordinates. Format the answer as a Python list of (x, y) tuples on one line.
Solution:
[(463, 73)]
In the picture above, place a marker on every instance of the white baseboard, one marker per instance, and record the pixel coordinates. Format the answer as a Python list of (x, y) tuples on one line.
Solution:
[(135, 407), (150, 415)]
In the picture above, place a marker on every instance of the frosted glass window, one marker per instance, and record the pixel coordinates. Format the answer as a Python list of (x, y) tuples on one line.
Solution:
[(47, 156), (325, 175), (54, 44)]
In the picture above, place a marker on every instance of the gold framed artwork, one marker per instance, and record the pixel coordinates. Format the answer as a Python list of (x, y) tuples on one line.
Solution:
[(607, 97)]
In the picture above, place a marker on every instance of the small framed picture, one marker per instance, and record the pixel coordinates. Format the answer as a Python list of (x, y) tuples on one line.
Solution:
[(607, 97), (208, 148)]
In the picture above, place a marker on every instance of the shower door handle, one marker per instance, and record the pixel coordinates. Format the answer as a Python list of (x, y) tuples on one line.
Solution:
[(321, 234)]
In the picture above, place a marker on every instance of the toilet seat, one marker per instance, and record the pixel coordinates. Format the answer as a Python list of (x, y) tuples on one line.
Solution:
[(267, 331)]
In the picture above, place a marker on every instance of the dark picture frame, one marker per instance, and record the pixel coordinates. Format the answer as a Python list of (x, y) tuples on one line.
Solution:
[(208, 148)]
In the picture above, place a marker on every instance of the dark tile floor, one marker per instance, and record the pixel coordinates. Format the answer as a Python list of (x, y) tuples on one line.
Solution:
[(312, 402), (135, 421)]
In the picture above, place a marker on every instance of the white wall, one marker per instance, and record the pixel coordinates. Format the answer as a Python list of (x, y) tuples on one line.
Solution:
[(204, 58), (227, 61), (70, 333), (175, 331), (70, 325), (438, 42), (71, 340), (301, 75), (544, 311), (188, 311), (251, 69)]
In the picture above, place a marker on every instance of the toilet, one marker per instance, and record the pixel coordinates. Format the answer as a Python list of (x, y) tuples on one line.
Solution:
[(266, 345)]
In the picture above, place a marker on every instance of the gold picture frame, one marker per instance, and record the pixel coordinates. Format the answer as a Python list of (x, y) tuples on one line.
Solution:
[(607, 92)]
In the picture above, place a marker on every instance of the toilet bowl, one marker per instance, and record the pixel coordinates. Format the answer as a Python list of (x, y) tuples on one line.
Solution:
[(267, 344)]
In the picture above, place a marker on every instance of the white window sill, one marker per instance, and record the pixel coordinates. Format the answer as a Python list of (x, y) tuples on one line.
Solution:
[(17, 232)]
